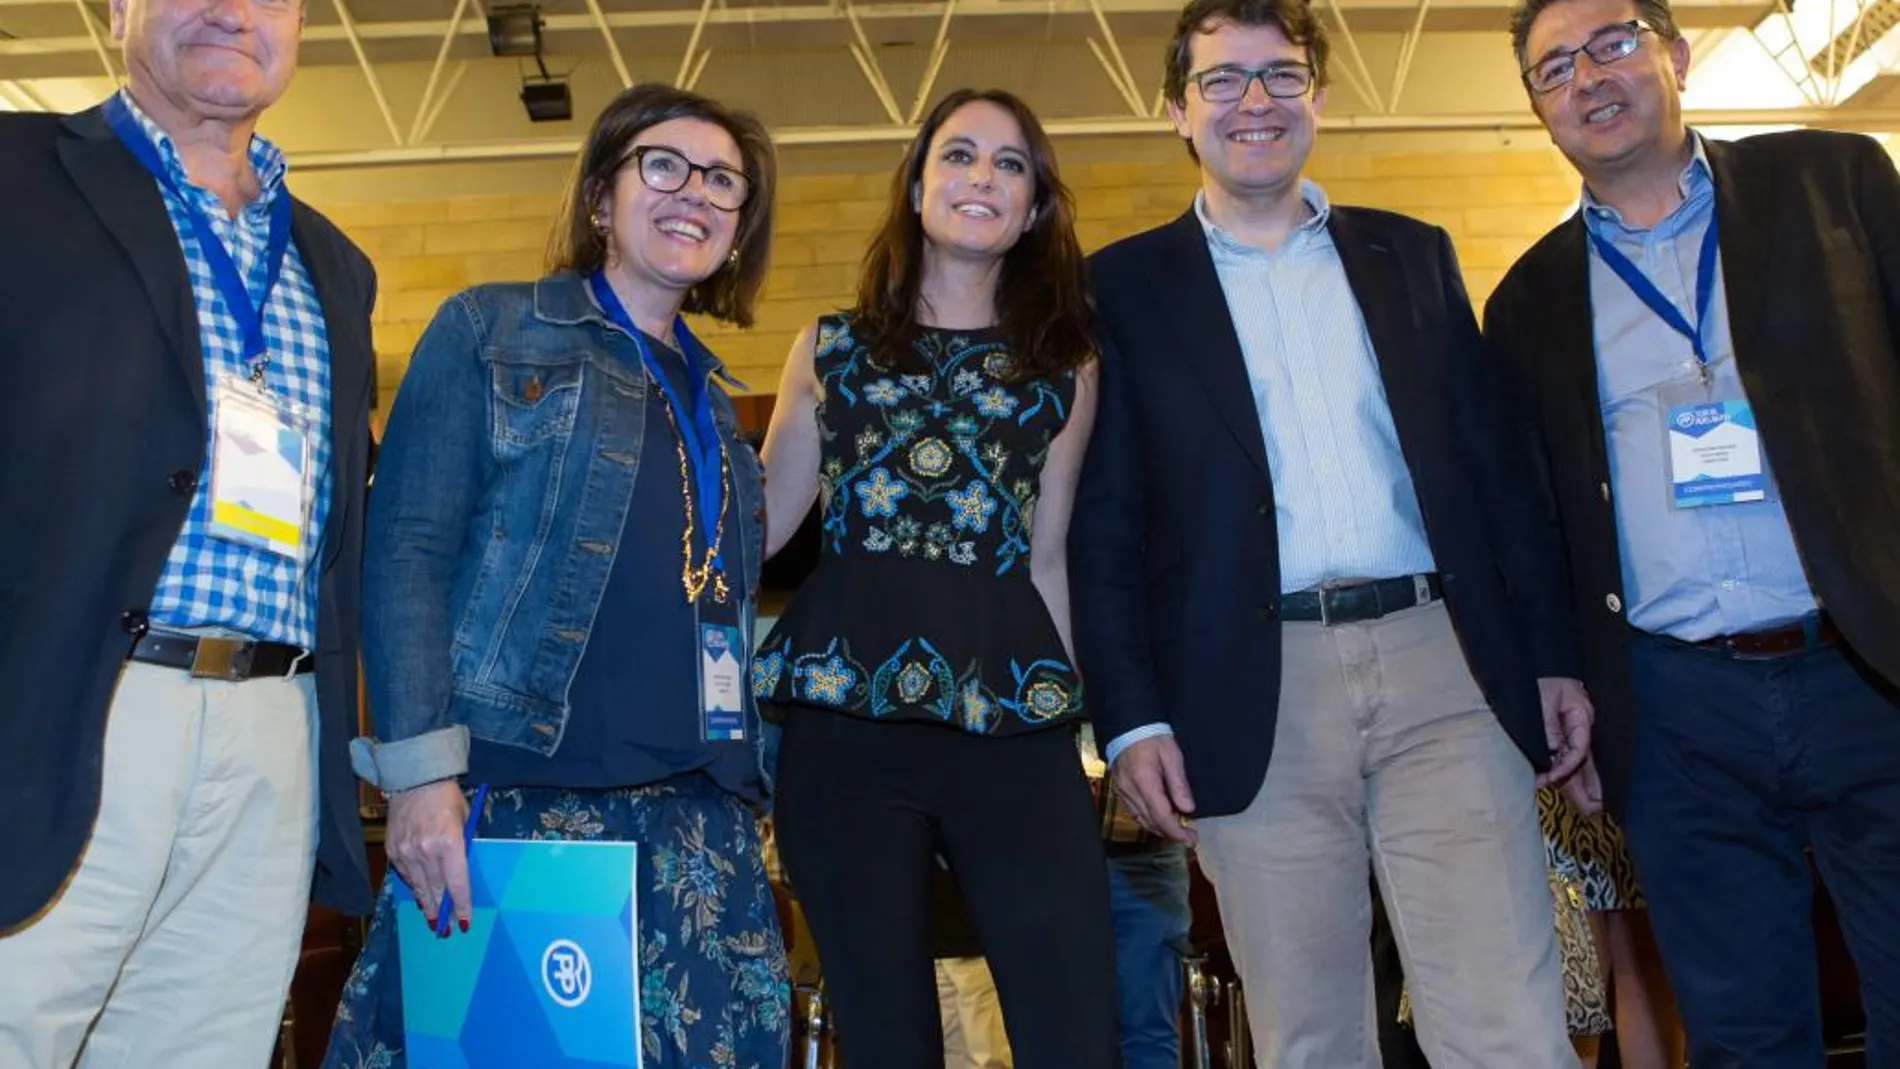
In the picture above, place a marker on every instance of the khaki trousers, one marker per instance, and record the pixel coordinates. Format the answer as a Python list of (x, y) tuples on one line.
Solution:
[(174, 942), (1385, 755)]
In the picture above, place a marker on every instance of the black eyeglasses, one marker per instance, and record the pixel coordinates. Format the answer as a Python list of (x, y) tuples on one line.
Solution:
[(667, 170), (1604, 47), (1226, 84)]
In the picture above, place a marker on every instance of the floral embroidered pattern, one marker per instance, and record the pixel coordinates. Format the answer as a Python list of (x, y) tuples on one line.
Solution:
[(884, 393), (930, 473), (880, 493), (1046, 699), (829, 682), (995, 403), (913, 682), (931, 458), (977, 709), (766, 671), (971, 508)]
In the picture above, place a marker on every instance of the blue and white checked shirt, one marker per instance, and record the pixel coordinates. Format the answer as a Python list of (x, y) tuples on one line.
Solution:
[(1345, 506), (209, 583), (1695, 573)]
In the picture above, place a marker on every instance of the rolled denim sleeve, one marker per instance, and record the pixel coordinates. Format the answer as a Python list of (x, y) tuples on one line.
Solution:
[(428, 480)]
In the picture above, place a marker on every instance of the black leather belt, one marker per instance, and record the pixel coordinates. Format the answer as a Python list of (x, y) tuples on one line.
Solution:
[(1365, 601), (231, 659)]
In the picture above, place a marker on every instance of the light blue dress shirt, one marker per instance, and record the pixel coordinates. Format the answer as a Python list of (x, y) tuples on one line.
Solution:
[(1345, 506), (1691, 574), (1343, 497)]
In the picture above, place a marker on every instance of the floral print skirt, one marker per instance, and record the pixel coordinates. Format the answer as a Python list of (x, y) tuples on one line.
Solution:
[(714, 989)]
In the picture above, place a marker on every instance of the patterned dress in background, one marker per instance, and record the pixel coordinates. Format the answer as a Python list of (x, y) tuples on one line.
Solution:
[(1591, 868)]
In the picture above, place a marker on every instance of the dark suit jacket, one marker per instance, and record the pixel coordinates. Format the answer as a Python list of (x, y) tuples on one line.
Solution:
[(1174, 565), (1809, 229), (103, 403)]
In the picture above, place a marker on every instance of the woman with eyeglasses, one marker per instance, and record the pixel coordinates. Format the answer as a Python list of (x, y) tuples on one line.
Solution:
[(924, 670), (563, 557)]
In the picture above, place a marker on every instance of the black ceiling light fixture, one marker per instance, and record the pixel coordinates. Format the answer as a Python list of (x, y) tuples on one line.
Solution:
[(515, 30), (547, 99)]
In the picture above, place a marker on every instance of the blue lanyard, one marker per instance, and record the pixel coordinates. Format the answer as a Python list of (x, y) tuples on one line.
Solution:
[(698, 433), (1647, 292), (224, 272)]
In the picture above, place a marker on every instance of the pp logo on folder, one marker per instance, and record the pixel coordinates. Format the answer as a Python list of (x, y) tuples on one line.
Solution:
[(565, 971), (548, 972)]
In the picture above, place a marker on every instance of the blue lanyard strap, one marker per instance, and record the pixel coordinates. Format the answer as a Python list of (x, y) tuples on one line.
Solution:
[(224, 272), (699, 434), (1647, 292)]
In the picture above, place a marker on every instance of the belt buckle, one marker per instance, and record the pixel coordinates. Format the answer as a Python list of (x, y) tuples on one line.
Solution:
[(226, 659)]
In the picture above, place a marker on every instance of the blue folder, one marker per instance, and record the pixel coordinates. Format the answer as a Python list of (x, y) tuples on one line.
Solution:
[(548, 973)]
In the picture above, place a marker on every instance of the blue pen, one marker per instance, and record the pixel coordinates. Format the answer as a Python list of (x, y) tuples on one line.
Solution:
[(468, 839)]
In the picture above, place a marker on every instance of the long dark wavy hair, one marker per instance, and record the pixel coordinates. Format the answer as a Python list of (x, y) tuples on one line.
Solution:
[(1042, 293), (732, 291)]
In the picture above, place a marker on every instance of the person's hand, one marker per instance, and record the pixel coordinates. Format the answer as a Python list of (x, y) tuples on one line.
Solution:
[(1585, 789), (424, 842), (1152, 781), (1567, 719)]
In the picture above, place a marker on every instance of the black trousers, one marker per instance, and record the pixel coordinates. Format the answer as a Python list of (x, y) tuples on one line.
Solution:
[(864, 807)]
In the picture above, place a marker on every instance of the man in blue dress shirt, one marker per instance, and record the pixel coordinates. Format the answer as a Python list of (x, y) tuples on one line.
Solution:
[(1708, 348)]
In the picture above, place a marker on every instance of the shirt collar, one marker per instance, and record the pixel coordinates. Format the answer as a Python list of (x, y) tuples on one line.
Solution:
[(566, 299), (1310, 192), (1695, 181), (266, 159)]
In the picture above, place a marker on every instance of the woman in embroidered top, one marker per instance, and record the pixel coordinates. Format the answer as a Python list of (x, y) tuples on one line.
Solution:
[(923, 672), (563, 558)]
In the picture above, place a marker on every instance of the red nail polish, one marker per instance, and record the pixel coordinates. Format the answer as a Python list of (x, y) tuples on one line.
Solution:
[(464, 925)]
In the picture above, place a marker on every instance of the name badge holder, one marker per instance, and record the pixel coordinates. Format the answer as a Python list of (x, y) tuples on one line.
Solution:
[(723, 652), (262, 470), (1710, 441), (1712, 445)]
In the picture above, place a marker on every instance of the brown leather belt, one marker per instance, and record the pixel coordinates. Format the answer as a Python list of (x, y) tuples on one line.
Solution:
[(233, 660), (1810, 634)]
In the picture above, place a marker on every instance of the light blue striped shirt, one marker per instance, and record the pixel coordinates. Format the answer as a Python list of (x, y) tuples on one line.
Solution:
[(1693, 573), (1343, 496), (1345, 506)]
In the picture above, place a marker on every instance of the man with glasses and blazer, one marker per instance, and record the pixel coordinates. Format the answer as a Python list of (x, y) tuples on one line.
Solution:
[(1708, 350), (1319, 603)]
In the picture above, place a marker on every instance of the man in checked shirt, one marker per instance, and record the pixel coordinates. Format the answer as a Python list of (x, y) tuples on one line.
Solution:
[(188, 360)]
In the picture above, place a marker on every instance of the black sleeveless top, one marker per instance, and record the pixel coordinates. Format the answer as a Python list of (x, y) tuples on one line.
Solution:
[(921, 607)]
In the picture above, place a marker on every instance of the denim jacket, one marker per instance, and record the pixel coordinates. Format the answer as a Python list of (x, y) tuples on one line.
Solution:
[(500, 493)]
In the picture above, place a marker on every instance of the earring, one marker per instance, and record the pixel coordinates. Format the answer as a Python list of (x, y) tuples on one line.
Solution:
[(594, 221), (732, 258)]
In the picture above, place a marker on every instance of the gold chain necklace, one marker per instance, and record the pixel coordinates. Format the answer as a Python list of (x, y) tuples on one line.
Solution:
[(695, 577)]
